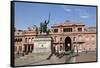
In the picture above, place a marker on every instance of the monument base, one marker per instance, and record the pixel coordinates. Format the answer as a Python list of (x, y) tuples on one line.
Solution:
[(42, 44)]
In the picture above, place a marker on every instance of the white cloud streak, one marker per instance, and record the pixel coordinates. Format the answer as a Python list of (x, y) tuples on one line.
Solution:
[(66, 8), (85, 16)]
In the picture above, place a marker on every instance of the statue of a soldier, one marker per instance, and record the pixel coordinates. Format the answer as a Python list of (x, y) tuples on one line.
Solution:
[(43, 26)]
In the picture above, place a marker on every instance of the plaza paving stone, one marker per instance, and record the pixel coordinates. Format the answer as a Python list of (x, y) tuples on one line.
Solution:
[(39, 59)]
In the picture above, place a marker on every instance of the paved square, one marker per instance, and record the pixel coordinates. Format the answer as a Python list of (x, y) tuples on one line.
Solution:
[(39, 59)]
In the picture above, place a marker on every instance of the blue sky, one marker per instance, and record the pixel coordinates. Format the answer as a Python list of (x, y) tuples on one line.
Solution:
[(28, 14)]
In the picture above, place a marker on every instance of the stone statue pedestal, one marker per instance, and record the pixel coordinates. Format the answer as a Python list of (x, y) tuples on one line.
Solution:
[(42, 44)]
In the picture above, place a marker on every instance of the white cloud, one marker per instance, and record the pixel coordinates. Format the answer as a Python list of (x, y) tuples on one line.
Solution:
[(66, 8), (85, 16)]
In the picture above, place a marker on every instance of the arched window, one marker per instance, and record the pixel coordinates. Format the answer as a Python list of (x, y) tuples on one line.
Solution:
[(20, 40), (32, 39), (16, 40), (79, 29), (29, 40), (15, 48), (25, 39), (61, 39), (55, 30), (20, 48), (80, 37), (74, 38)]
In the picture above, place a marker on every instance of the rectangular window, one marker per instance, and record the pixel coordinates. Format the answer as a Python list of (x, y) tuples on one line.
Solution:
[(79, 29), (67, 30), (74, 38), (55, 30), (20, 48)]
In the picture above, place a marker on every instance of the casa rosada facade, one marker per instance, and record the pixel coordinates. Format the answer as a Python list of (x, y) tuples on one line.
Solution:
[(65, 36)]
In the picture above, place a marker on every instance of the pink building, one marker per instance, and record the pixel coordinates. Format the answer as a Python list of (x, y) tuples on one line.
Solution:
[(66, 36)]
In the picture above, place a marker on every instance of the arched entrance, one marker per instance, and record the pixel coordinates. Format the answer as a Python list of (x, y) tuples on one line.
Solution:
[(68, 44)]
